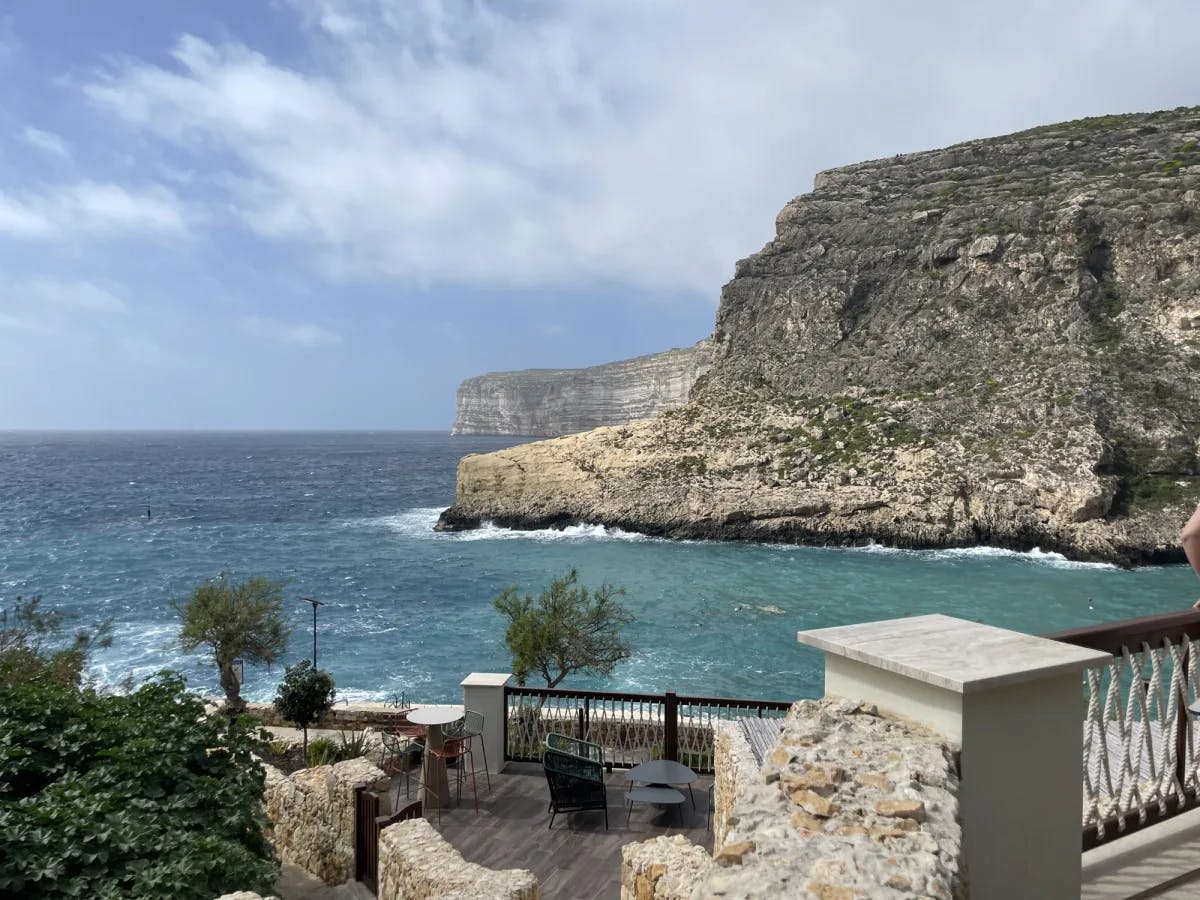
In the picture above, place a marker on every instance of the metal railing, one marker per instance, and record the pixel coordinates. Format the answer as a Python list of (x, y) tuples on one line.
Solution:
[(1139, 743), (632, 728)]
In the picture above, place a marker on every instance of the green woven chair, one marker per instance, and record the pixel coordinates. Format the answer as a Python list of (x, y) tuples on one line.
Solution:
[(576, 784), (564, 744)]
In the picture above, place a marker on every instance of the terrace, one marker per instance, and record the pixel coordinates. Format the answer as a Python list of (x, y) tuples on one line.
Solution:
[(1135, 758)]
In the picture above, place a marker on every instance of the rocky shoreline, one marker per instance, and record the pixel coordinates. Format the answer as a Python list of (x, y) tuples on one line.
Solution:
[(993, 344)]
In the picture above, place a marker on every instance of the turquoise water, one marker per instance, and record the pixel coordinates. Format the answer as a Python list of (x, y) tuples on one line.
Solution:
[(348, 519)]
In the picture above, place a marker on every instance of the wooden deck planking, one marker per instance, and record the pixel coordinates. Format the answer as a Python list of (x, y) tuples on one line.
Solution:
[(575, 859)]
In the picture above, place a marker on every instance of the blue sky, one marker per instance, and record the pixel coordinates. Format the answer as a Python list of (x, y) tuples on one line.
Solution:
[(326, 214)]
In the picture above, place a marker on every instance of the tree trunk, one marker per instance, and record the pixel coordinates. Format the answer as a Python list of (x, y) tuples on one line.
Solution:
[(234, 703)]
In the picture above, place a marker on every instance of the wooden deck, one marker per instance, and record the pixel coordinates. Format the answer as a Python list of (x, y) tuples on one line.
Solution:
[(575, 859)]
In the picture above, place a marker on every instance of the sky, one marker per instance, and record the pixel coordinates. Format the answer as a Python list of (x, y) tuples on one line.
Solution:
[(324, 214)]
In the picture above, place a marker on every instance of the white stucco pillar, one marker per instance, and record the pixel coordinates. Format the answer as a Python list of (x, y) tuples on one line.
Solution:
[(483, 692), (1015, 705)]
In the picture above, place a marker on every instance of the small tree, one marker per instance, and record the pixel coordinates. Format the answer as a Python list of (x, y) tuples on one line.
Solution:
[(242, 620), (32, 648), (303, 695), (566, 629)]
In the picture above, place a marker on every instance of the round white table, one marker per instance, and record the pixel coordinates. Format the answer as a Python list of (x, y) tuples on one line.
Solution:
[(433, 771)]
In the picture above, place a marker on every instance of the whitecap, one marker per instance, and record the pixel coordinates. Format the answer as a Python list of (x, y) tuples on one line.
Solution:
[(419, 522), (1036, 555)]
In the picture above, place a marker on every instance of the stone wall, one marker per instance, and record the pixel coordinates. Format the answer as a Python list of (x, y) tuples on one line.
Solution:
[(847, 805), (734, 765), (348, 718), (312, 815), (663, 868), (415, 863)]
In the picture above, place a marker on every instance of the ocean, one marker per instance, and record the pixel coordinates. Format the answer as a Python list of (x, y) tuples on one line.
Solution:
[(115, 525)]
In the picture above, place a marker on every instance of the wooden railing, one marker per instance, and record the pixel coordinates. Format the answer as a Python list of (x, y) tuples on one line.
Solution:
[(1140, 753), (632, 728)]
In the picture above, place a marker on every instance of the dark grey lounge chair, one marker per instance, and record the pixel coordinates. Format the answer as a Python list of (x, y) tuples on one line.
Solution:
[(576, 784)]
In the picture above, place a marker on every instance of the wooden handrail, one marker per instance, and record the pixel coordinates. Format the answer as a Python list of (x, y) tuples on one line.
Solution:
[(1112, 637)]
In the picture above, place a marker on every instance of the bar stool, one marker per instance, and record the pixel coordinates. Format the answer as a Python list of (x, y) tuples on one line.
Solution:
[(453, 751), (472, 727)]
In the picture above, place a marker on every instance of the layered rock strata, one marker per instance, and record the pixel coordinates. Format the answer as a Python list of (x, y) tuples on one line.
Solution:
[(549, 402), (996, 343)]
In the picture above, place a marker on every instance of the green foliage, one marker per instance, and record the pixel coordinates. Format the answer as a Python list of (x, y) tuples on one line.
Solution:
[(354, 744), (243, 620), (136, 796), (322, 752), (304, 694), (31, 645), (566, 629)]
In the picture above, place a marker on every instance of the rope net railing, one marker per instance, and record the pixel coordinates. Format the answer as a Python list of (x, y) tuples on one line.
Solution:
[(1139, 752), (632, 728)]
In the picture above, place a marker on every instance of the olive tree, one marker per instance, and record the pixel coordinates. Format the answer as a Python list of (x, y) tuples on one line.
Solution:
[(566, 629), (303, 695), (235, 620)]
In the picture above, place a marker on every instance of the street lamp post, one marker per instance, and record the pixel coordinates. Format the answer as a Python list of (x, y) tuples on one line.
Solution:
[(315, 604)]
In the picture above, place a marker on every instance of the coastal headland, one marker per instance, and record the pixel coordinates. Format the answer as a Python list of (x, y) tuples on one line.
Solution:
[(994, 343)]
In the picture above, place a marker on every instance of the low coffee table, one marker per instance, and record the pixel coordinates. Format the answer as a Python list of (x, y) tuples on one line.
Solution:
[(660, 796), (664, 773), (651, 782)]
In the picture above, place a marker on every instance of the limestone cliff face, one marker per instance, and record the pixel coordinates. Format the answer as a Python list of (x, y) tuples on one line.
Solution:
[(549, 402), (995, 343)]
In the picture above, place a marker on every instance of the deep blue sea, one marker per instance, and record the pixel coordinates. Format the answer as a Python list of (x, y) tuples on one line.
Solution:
[(347, 519)]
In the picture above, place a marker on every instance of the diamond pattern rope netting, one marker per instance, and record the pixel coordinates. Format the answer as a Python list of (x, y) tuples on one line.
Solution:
[(1136, 707)]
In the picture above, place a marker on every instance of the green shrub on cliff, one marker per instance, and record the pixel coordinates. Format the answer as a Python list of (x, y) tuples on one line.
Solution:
[(566, 629), (137, 796)]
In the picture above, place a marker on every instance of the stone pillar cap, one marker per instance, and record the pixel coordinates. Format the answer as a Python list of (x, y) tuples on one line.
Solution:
[(952, 653), (486, 679)]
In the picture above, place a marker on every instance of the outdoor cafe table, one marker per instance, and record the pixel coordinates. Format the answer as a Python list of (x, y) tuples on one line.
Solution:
[(437, 787)]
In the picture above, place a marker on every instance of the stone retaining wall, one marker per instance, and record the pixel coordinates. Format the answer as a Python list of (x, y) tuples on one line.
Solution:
[(415, 863), (663, 868), (847, 805), (312, 815), (348, 718), (734, 765)]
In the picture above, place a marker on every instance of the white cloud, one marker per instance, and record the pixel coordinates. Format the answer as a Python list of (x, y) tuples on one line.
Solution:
[(305, 334), (640, 143), (46, 141), (65, 210), (81, 296)]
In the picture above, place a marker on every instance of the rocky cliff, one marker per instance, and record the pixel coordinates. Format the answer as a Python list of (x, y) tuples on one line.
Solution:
[(994, 343), (549, 402)]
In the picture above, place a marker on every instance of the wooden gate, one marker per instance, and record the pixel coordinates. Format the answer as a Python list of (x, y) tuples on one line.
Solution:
[(367, 825)]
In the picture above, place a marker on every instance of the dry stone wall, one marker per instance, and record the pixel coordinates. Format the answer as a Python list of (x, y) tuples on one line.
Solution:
[(348, 718), (847, 805), (663, 868), (312, 815), (415, 863)]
